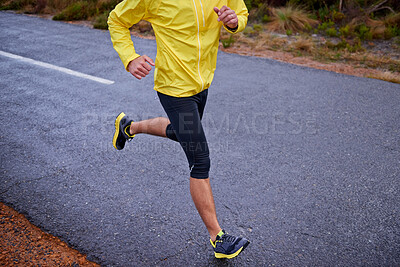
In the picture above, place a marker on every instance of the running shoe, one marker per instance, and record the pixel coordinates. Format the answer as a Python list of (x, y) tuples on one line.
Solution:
[(228, 246), (121, 135)]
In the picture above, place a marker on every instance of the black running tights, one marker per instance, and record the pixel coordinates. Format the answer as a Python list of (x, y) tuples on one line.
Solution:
[(185, 114)]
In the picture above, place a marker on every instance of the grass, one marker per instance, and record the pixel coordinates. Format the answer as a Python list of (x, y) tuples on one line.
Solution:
[(325, 25), (55, 6), (392, 19), (303, 44), (94, 10), (346, 31), (101, 21), (331, 32), (289, 18), (267, 41), (362, 58), (23, 5), (227, 42), (76, 11), (348, 51), (386, 76)]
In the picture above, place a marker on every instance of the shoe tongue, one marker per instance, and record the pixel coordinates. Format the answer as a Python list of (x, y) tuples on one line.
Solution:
[(220, 234)]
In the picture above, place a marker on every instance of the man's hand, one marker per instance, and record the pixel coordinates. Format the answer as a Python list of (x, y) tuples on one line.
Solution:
[(140, 67), (227, 16)]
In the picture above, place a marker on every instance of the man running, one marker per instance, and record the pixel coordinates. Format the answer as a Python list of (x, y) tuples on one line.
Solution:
[(187, 35)]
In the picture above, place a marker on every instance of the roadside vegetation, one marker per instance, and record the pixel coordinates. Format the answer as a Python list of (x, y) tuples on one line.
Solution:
[(95, 11), (361, 33)]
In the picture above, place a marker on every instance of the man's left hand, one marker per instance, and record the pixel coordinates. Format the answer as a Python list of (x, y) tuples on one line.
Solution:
[(227, 16)]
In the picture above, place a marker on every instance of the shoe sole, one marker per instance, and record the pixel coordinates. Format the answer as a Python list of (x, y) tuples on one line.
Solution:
[(230, 256), (117, 122)]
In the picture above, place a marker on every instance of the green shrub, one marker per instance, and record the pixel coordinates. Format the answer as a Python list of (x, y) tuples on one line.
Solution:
[(16, 4), (388, 33), (266, 18), (343, 44), (107, 6), (391, 31), (392, 20), (331, 32), (249, 31), (309, 4), (308, 27), (337, 16), (355, 47), (325, 25), (338, 56), (363, 32), (249, 4), (262, 10), (60, 16), (313, 16), (324, 14), (394, 68), (77, 11), (289, 32), (339, 46), (228, 42), (257, 27), (345, 31), (397, 41), (101, 21)]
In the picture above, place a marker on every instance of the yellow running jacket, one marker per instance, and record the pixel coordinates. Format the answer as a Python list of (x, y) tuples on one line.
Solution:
[(187, 34)]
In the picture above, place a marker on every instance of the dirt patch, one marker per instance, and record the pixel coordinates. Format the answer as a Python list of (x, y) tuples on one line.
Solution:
[(23, 244)]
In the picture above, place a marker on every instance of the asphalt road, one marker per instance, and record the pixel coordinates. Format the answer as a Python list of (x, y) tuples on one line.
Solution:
[(305, 163)]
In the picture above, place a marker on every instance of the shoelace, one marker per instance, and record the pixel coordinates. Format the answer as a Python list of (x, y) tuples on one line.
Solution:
[(228, 238)]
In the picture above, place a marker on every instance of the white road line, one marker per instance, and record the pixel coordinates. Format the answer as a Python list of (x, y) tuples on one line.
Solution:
[(54, 67)]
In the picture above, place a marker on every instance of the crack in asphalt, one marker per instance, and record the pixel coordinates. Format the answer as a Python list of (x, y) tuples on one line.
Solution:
[(307, 234), (232, 211)]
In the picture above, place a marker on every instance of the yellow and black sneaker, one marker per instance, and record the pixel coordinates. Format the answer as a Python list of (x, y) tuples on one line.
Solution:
[(121, 135), (228, 246)]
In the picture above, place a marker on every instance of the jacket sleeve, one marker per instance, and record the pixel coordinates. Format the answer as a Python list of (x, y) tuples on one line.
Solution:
[(241, 11), (125, 14)]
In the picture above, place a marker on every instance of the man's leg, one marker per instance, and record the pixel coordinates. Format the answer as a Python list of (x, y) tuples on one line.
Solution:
[(203, 199), (154, 126), (185, 115), (191, 136), (200, 189)]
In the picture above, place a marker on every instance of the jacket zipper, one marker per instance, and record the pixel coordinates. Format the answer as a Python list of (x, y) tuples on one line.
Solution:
[(198, 39), (202, 12)]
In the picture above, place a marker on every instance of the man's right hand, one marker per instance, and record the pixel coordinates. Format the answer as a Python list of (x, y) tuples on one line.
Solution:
[(140, 67)]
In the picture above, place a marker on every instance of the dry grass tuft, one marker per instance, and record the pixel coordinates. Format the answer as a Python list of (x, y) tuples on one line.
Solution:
[(303, 44), (377, 28), (267, 41), (289, 18), (393, 19), (387, 76)]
